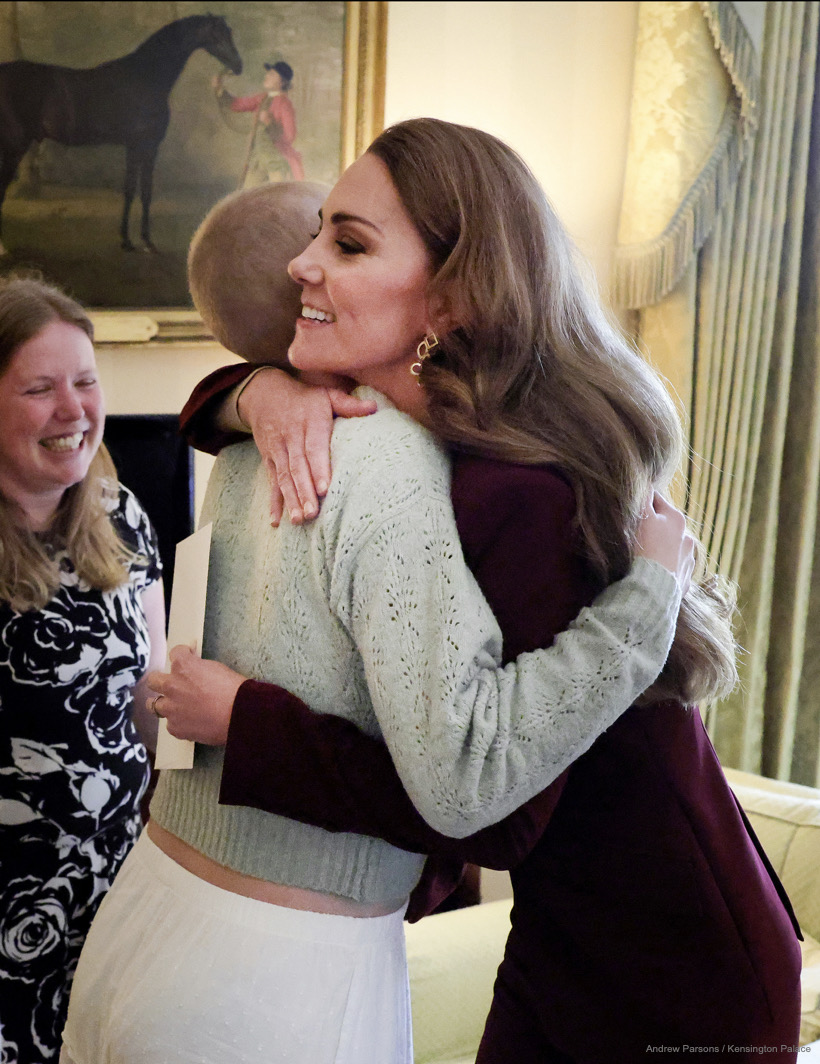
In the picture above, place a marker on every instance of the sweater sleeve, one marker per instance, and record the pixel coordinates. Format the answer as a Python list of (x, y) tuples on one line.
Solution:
[(321, 769), (472, 740)]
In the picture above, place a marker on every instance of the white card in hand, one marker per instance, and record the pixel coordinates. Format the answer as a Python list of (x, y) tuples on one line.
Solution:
[(186, 623)]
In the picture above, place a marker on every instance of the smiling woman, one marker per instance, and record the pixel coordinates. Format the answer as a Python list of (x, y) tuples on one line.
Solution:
[(347, 645), (81, 618), (52, 410), (365, 279)]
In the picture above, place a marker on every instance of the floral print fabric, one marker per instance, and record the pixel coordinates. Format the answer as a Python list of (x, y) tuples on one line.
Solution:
[(72, 772)]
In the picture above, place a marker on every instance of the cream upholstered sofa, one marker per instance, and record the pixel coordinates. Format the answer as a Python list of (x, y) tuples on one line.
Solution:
[(453, 957)]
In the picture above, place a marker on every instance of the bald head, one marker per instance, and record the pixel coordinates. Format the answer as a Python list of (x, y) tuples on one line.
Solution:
[(237, 266)]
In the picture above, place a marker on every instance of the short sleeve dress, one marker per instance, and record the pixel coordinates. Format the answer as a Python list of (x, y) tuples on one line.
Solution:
[(72, 772)]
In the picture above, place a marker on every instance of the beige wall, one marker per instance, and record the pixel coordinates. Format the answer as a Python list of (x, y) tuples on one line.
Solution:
[(552, 79)]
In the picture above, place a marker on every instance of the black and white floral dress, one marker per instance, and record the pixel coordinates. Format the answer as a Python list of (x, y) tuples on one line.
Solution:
[(72, 772)]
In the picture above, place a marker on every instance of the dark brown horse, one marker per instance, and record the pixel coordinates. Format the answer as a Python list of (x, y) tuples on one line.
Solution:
[(124, 101)]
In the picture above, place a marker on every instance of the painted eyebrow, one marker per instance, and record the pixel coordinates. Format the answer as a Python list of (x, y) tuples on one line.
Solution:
[(342, 216)]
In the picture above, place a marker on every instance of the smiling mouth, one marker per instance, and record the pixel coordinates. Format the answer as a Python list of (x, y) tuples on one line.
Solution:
[(317, 315), (63, 443)]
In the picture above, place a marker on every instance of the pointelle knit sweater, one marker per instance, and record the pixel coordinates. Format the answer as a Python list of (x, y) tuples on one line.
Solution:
[(370, 612)]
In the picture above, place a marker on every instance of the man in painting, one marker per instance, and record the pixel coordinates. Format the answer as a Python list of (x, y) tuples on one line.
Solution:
[(271, 156)]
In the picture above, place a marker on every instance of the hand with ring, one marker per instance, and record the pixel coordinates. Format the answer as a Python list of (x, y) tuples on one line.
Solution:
[(197, 697)]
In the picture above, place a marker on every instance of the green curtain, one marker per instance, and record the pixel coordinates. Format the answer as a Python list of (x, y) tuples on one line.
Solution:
[(737, 333)]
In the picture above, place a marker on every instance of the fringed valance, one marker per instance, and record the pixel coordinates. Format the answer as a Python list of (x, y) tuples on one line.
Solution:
[(695, 98), (739, 54)]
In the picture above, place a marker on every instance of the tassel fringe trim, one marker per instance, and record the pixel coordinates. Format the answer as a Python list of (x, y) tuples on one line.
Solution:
[(738, 56), (645, 273)]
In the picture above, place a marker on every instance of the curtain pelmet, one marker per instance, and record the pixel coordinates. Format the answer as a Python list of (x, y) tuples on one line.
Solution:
[(694, 109)]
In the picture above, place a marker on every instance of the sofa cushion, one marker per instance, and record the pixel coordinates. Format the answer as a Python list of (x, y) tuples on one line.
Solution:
[(810, 986), (452, 960), (786, 818)]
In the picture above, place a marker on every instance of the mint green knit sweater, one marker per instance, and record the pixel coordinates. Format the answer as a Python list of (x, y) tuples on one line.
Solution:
[(370, 612)]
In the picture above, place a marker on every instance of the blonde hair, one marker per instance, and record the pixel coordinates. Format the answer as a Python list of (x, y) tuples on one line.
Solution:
[(237, 267), (29, 574), (535, 372)]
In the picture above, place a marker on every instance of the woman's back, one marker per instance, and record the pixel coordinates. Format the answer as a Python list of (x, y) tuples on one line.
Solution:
[(646, 913), (647, 896), (279, 610)]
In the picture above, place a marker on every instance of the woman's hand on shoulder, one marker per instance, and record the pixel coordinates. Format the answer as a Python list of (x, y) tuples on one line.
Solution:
[(292, 421), (662, 537), (196, 697)]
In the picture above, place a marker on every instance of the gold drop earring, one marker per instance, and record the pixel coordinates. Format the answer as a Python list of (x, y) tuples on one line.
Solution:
[(429, 342)]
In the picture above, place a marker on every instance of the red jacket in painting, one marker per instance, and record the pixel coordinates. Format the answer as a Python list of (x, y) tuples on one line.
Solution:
[(282, 126)]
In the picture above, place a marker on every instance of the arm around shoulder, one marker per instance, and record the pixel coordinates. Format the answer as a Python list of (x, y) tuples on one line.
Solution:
[(198, 421)]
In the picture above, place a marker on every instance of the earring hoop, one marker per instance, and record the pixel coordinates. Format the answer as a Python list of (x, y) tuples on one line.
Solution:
[(423, 350)]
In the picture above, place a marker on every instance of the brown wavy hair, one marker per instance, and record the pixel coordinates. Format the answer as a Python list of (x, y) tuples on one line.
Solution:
[(535, 372), (29, 574)]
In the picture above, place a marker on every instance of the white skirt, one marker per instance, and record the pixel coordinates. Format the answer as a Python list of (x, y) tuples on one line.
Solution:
[(176, 969)]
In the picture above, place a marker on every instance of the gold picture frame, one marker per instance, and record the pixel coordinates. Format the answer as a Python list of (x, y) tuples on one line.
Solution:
[(362, 62), (365, 51)]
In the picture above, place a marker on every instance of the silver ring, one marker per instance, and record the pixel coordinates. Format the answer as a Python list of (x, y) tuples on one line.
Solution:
[(153, 706)]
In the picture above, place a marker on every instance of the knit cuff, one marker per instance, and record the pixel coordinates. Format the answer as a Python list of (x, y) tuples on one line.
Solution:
[(649, 595)]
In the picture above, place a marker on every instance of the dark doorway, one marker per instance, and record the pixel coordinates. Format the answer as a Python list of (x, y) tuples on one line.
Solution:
[(154, 461)]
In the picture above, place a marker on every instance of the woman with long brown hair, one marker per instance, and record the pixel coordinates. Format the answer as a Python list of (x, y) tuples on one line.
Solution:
[(646, 914)]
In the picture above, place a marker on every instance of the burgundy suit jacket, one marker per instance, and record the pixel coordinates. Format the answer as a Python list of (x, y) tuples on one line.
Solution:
[(646, 912)]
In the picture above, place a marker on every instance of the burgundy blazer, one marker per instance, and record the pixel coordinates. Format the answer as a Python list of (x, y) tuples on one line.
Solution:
[(645, 912)]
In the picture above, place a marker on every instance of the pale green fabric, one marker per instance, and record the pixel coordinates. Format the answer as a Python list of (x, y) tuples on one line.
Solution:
[(741, 337)]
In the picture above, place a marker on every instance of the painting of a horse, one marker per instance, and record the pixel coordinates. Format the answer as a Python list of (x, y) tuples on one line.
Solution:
[(123, 101)]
